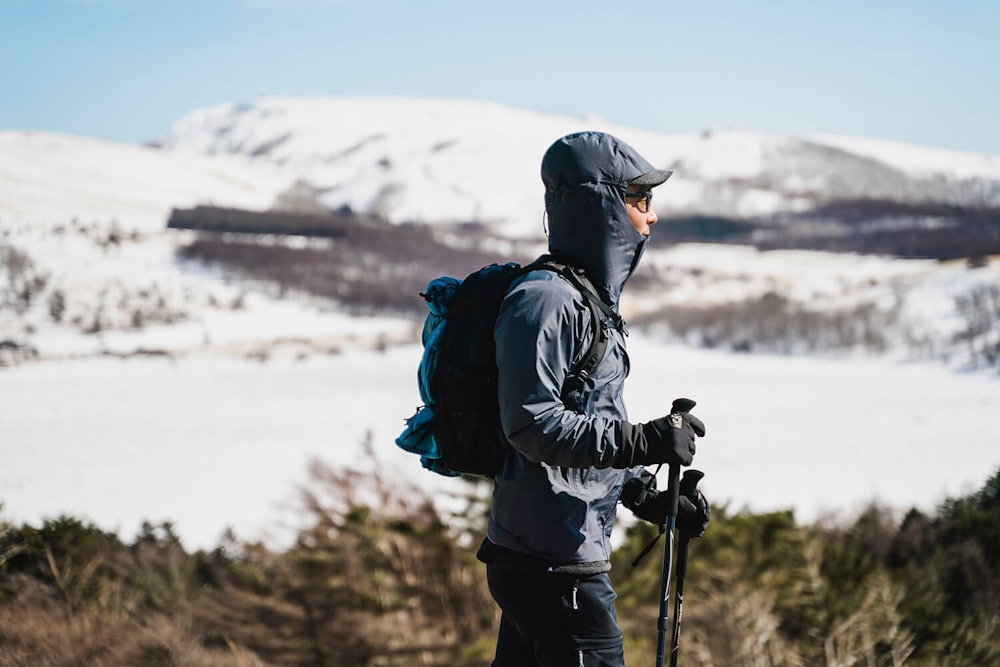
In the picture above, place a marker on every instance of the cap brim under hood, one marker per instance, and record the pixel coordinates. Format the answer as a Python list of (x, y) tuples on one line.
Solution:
[(652, 178)]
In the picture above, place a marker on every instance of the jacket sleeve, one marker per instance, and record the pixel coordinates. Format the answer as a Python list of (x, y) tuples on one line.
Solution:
[(535, 336)]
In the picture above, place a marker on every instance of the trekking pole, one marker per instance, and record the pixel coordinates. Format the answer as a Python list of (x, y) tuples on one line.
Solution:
[(688, 487), (663, 623)]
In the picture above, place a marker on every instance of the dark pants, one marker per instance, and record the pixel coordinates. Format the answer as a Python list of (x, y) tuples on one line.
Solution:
[(555, 620)]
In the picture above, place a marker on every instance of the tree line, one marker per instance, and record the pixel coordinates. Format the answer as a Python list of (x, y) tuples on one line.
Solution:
[(379, 575)]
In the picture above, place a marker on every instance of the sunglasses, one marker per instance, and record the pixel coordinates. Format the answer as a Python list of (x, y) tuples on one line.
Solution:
[(645, 200)]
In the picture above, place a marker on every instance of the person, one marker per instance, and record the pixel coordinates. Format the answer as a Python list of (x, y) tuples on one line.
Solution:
[(547, 546)]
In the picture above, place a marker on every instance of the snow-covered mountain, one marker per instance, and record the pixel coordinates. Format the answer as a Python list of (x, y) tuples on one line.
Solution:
[(89, 266), (432, 161), (51, 179), (439, 160)]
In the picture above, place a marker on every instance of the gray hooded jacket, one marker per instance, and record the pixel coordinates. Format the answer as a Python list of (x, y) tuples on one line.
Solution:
[(555, 497)]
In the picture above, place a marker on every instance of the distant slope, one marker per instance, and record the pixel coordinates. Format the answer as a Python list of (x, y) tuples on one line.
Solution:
[(444, 161), (51, 179), (433, 161)]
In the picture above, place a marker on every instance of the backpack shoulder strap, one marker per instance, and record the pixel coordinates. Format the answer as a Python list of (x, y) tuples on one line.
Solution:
[(598, 312), (578, 279)]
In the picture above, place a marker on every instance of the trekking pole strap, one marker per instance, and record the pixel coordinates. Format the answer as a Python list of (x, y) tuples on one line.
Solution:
[(649, 547)]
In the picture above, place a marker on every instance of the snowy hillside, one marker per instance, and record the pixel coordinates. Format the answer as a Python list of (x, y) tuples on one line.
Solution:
[(89, 266), (50, 180), (435, 160)]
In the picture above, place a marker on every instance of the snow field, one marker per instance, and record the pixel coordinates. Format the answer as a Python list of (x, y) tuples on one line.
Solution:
[(209, 442)]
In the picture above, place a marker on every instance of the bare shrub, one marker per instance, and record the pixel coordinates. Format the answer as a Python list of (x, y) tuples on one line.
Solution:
[(36, 634), (118, 306), (375, 578), (21, 281), (775, 324), (57, 305), (979, 309), (71, 594), (13, 352)]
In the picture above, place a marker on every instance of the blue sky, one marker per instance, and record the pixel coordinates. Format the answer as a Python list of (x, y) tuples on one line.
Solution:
[(926, 72)]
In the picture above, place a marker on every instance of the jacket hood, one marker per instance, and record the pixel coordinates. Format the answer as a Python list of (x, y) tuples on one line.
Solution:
[(585, 176)]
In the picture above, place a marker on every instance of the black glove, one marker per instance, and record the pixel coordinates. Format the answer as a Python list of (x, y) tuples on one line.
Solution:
[(667, 440), (693, 512), (637, 492)]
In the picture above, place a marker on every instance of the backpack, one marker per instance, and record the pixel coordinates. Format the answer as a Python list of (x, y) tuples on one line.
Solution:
[(457, 430)]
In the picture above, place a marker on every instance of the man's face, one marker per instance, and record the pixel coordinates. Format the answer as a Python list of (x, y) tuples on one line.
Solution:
[(639, 204)]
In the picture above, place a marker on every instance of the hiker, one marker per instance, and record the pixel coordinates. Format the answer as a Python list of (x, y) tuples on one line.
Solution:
[(572, 453)]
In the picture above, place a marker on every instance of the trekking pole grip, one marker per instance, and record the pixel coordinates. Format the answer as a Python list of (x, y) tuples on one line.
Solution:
[(689, 482)]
